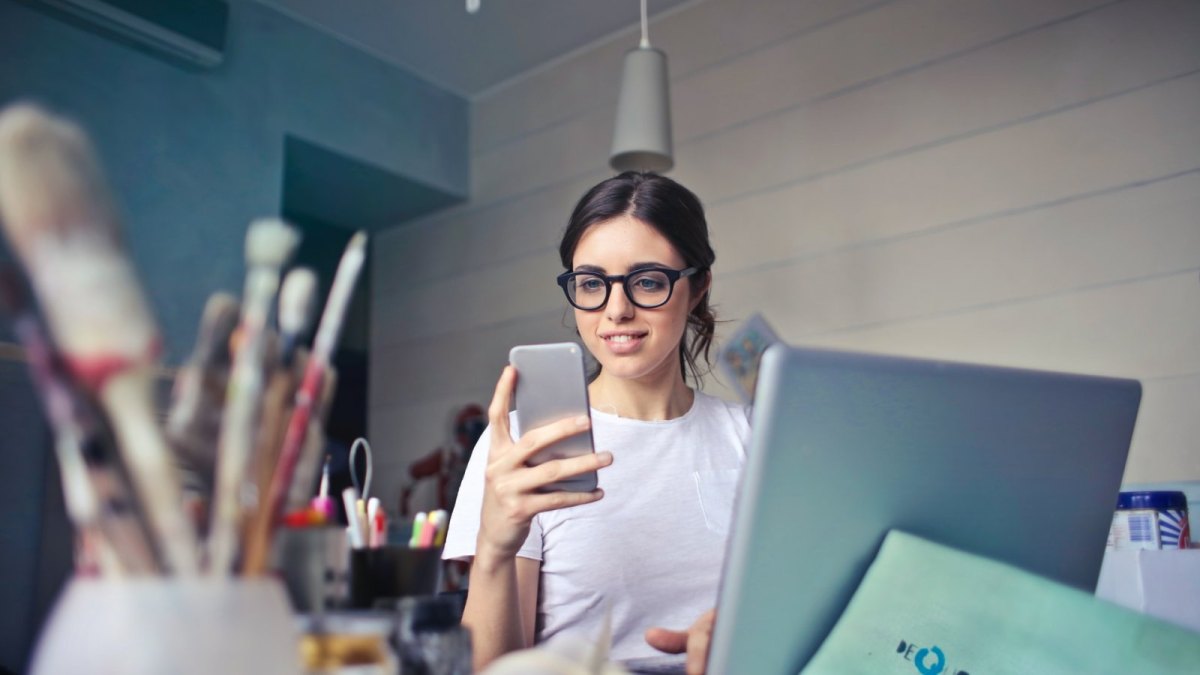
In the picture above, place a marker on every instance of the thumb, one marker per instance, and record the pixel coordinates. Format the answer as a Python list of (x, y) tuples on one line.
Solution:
[(669, 641)]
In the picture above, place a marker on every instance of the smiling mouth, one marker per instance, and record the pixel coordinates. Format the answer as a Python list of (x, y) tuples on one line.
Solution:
[(623, 338)]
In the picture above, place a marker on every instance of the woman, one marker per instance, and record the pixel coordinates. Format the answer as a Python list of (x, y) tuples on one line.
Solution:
[(648, 544)]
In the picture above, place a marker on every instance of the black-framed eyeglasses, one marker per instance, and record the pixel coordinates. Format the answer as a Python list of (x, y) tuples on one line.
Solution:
[(647, 288)]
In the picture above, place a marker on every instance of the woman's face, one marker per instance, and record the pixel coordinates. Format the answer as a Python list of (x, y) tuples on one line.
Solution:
[(628, 341)]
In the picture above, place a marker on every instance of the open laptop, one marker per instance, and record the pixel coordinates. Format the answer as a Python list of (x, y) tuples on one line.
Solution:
[(1019, 466)]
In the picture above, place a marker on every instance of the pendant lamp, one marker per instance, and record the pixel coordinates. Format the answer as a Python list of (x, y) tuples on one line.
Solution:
[(642, 135)]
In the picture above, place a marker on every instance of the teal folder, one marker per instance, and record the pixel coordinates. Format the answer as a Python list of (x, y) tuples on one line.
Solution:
[(927, 609)]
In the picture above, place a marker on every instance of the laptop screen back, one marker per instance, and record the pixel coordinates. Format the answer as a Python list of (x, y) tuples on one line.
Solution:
[(1019, 466)]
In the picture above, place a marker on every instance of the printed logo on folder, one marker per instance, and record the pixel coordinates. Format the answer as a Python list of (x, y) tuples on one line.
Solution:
[(928, 660)]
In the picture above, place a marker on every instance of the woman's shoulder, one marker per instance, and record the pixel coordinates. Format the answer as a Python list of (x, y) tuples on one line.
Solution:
[(709, 406), (711, 402)]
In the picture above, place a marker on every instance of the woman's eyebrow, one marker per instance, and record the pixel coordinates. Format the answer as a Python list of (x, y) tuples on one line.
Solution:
[(632, 268), (646, 265)]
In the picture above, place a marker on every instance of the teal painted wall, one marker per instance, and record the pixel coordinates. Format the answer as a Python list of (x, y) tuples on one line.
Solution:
[(193, 155)]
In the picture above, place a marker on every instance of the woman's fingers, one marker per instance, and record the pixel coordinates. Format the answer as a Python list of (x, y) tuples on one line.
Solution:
[(538, 503), (555, 470), (511, 485), (699, 636), (667, 640), (694, 641), (521, 507), (498, 409), (534, 440)]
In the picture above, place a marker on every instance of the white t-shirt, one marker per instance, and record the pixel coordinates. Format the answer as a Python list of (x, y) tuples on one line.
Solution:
[(652, 547)]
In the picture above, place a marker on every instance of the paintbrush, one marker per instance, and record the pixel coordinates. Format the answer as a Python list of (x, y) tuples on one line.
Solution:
[(58, 402), (194, 421), (304, 476), (279, 393), (269, 244), (62, 224), (311, 389), (121, 522), (295, 313), (297, 298)]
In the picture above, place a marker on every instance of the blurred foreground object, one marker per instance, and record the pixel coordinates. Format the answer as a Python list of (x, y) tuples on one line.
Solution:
[(62, 224), (154, 626)]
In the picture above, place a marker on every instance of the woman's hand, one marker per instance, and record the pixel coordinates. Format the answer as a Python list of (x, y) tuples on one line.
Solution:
[(510, 496), (694, 641)]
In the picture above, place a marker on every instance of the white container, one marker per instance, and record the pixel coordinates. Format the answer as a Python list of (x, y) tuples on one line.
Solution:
[(1164, 584), (169, 625)]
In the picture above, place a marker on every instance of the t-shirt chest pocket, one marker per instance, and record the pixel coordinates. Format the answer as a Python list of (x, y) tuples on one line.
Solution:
[(716, 491)]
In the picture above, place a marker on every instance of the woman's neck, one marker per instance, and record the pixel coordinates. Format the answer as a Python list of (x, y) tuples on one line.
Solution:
[(662, 397)]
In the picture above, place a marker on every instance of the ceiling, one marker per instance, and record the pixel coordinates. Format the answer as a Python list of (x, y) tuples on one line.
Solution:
[(472, 53)]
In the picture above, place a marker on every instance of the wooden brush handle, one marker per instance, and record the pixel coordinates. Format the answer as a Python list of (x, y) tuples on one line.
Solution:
[(276, 411), (127, 399)]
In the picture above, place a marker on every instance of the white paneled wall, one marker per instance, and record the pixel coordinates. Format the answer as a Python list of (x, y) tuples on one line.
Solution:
[(1004, 181)]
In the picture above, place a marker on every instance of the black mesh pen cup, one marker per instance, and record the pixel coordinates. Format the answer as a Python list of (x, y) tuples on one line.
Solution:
[(389, 572), (430, 639), (313, 564)]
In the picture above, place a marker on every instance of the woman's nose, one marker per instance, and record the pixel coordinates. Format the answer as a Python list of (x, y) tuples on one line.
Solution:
[(619, 307)]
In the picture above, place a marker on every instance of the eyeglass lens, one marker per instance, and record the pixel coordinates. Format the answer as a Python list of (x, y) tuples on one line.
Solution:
[(648, 289)]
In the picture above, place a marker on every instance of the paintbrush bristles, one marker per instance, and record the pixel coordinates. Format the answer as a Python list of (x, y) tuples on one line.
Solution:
[(270, 242), (49, 178), (296, 301), (344, 280), (60, 219)]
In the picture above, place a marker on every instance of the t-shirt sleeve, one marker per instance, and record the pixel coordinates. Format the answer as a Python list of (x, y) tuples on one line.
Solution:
[(468, 507)]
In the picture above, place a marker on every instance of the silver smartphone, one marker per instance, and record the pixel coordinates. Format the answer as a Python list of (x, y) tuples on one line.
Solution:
[(552, 385)]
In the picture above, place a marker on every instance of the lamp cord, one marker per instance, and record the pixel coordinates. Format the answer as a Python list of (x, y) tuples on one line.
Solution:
[(645, 31)]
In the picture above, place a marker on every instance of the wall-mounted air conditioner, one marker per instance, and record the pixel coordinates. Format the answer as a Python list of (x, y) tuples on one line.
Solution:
[(190, 31)]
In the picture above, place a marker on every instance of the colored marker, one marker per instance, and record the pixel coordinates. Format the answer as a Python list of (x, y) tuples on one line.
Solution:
[(322, 503), (443, 522), (429, 530), (418, 525), (350, 500), (378, 518)]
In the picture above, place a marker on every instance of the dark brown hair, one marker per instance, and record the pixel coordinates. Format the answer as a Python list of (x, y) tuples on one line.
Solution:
[(675, 213)]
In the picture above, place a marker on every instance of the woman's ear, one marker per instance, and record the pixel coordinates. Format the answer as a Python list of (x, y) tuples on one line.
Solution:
[(698, 293)]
